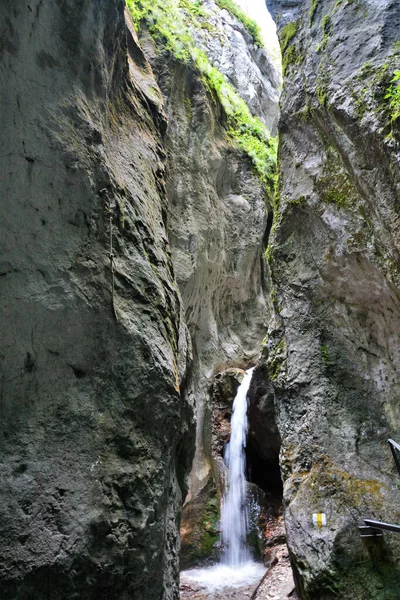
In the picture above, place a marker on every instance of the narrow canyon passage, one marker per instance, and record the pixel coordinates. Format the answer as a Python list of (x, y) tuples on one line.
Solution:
[(182, 201)]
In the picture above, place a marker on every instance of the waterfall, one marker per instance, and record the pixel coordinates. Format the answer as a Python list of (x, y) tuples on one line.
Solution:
[(234, 514), (236, 568)]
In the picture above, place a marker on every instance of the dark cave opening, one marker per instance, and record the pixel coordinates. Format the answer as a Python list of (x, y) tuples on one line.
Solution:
[(263, 472)]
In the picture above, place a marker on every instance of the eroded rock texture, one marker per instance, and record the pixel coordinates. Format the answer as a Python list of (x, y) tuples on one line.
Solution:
[(218, 211), (333, 353), (95, 418)]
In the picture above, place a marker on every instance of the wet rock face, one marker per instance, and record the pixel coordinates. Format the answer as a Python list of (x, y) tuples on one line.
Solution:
[(333, 350), (95, 416), (217, 213), (225, 387)]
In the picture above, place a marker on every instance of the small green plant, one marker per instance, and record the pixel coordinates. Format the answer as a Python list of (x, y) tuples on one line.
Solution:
[(194, 8), (393, 95), (326, 359), (188, 108), (322, 94), (241, 16)]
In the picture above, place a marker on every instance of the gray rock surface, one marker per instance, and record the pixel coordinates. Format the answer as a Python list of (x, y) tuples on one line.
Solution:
[(218, 215), (96, 416), (333, 349), (250, 69)]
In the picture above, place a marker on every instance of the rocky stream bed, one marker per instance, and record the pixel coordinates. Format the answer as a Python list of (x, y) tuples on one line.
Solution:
[(276, 584)]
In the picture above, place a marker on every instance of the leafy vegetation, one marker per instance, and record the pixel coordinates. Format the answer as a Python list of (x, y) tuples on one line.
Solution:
[(377, 89), (393, 95), (248, 23), (168, 21)]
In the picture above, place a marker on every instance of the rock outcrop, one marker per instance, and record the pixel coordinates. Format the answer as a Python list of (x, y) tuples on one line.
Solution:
[(219, 213), (333, 351), (96, 414)]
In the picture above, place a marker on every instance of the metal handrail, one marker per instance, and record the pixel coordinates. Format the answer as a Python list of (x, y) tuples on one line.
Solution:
[(381, 525), (395, 446)]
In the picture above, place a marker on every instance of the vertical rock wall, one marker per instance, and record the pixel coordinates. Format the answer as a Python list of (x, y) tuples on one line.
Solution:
[(333, 354), (218, 211), (95, 413)]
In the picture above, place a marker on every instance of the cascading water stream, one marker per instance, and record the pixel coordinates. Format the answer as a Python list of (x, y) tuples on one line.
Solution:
[(234, 515), (236, 568)]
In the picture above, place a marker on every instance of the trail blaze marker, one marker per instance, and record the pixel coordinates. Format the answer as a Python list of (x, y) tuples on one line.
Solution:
[(319, 519)]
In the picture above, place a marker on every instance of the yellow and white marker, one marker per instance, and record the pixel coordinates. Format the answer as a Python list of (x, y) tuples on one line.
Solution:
[(319, 519)]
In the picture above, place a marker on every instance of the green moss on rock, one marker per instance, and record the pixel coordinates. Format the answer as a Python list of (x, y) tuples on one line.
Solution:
[(326, 26), (327, 480), (293, 56), (334, 185), (276, 360), (375, 579), (200, 528), (322, 95), (376, 89), (393, 96), (325, 355), (314, 6), (169, 23), (287, 34), (209, 528)]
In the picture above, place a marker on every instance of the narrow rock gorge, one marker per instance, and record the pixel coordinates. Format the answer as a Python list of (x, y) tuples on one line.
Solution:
[(220, 210), (156, 242)]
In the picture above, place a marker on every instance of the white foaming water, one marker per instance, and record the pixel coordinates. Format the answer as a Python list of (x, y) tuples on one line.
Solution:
[(222, 576), (237, 569), (234, 513)]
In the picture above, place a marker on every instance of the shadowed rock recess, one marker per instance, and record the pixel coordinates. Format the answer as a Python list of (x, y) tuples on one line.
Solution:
[(333, 354), (96, 415)]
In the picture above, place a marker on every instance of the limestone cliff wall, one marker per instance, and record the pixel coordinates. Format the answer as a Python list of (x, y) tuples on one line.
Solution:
[(95, 408), (333, 353), (218, 211)]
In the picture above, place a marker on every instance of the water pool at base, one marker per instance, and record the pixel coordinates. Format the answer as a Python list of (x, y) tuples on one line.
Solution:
[(221, 576)]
